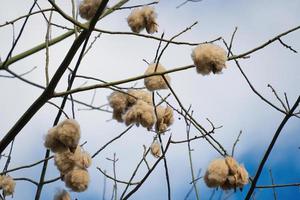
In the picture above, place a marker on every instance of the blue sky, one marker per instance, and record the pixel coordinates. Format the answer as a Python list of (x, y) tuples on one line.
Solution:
[(226, 99)]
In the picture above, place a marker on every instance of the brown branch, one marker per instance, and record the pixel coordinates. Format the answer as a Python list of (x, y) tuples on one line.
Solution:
[(235, 143), (287, 46), (26, 179), (137, 6), (135, 171), (250, 84), (272, 181), (114, 179), (23, 16), (48, 92), (269, 149), (278, 98), (113, 83), (111, 141), (26, 166), (233, 57), (148, 173), (278, 186)]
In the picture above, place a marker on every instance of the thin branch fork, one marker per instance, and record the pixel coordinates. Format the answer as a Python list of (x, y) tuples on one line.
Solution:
[(250, 84), (114, 179), (269, 149), (233, 57), (54, 40), (49, 91), (24, 16), (149, 172)]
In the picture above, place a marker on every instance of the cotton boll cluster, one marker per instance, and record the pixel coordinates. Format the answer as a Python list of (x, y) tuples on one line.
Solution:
[(226, 173), (135, 107), (62, 195), (135, 95), (156, 82), (66, 161), (140, 113), (216, 173), (123, 101), (141, 18), (69, 158), (209, 58), (119, 102), (73, 167), (77, 179), (7, 184), (150, 19), (64, 136), (155, 149), (52, 142), (88, 8), (164, 118)]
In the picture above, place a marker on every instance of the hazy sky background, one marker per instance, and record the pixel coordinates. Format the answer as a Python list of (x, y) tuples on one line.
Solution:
[(225, 99)]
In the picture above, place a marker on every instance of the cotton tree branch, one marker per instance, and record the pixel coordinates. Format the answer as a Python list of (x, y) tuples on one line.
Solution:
[(153, 99), (287, 46), (250, 84), (26, 166), (189, 140), (137, 6), (114, 179), (26, 179), (188, 129), (278, 98), (148, 173), (185, 2), (277, 186), (85, 35), (113, 83), (19, 35), (270, 147), (24, 16), (204, 133), (48, 92), (272, 181), (54, 40), (202, 130), (233, 57), (135, 170), (235, 143), (111, 141)]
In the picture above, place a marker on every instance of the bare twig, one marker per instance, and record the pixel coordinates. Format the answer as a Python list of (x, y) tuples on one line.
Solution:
[(137, 6), (24, 16), (235, 143), (188, 129), (114, 179), (233, 57), (231, 41), (272, 181), (185, 2), (270, 147), (148, 173), (26, 179), (59, 108), (278, 186), (251, 86), (26, 166), (287, 46), (111, 141), (134, 172), (278, 98), (19, 35)]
